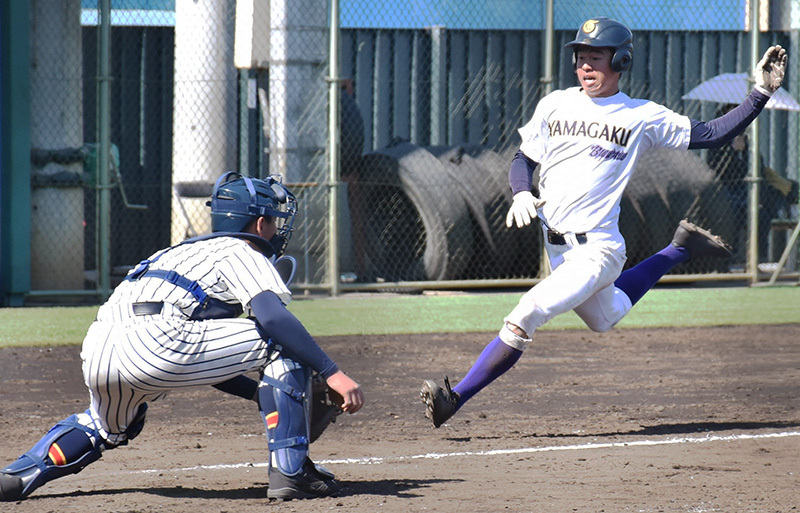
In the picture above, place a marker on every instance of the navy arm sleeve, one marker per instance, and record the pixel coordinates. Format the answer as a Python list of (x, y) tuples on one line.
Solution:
[(520, 174), (286, 330), (718, 131)]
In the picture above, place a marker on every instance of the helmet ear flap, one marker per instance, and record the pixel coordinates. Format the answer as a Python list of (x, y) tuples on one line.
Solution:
[(280, 192), (622, 59)]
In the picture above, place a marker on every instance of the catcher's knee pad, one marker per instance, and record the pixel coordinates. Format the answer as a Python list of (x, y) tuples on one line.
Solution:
[(66, 449), (283, 397)]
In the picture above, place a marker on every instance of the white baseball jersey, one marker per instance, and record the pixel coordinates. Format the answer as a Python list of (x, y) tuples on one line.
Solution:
[(130, 359), (588, 149)]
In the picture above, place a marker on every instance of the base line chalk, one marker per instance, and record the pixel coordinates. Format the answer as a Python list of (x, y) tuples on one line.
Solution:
[(378, 460)]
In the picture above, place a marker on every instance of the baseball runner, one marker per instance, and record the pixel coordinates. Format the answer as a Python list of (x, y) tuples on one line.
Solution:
[(175, 323), (588, 140)]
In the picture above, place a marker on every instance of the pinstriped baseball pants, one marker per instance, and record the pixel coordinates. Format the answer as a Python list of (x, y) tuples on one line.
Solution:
[(125, 365)]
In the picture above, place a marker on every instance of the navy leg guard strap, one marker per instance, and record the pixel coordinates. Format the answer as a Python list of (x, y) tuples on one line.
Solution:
[(47, 459), (67, 448), (283, 395)]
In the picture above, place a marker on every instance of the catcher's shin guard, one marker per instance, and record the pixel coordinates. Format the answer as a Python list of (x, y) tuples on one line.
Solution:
[(283, 396), (67, 448)]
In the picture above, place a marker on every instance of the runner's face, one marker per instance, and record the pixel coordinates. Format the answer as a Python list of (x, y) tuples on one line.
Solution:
[(593, 67)]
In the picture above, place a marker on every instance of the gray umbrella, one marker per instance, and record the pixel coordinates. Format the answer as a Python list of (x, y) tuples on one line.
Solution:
[(734, 88)]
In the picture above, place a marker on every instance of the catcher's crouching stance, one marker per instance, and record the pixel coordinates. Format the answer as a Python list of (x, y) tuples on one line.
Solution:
[(175, 322)]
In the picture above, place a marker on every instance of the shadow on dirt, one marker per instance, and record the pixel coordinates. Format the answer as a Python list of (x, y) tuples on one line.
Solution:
[(380, 487), (390, 487), (681, 429), (174, 492)]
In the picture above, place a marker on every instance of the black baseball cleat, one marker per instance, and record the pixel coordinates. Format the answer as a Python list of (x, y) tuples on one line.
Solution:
[(310, 483), (699, 242), (440, 403), (11, 487)]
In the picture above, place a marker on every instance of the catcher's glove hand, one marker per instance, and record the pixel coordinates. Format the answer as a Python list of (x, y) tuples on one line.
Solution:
[(325, 406), (770, 69)]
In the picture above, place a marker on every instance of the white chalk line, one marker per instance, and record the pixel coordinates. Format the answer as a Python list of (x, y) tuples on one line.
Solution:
[(378, 460)]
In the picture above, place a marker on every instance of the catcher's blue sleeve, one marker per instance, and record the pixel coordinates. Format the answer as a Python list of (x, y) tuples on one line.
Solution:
[(718, 131), (286, 330)]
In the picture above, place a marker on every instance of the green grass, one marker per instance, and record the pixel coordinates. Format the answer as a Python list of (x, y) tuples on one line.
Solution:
[(45, 326), (485, 312), (365, 314)]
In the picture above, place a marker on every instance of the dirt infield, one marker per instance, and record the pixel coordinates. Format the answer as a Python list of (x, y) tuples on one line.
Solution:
[(668, 420)]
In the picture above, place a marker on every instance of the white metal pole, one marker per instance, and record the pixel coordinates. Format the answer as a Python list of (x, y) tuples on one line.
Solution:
[(752, 252), (333, 150)]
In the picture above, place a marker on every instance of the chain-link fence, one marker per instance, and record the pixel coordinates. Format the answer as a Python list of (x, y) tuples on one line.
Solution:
[(430, 97), (443, 92)]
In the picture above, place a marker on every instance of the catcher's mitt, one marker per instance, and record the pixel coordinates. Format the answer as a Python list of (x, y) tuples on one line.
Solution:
[(325, 406)]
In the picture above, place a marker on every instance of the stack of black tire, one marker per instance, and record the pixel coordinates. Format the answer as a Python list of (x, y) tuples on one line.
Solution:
[(438, 213)]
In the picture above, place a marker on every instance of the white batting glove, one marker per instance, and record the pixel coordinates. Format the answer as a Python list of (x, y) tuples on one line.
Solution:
[(770, 69), (523, 209)]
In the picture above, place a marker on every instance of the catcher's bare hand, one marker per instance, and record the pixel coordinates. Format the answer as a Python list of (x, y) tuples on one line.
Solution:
[(770, 70), (352, 396), (523, 209)]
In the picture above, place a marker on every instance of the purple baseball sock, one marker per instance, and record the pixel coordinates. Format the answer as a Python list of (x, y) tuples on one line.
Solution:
[(637, 280), (495, 359)]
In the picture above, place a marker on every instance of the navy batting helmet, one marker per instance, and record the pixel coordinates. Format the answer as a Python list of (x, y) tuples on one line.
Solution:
[(237, 200), (607, 33)]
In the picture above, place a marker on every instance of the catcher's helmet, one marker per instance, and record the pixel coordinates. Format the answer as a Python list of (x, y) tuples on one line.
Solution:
[(237, 200), (607, 33)]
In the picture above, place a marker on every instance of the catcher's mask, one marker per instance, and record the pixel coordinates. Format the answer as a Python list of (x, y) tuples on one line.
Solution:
[(237, 200), (604, 32)]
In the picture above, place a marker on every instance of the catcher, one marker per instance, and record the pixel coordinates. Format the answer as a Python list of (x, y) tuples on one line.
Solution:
[(175, 322)]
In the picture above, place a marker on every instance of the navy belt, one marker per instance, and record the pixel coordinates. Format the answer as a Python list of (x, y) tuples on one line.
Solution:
[(148, 308), (210, 309), (557, 239)]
